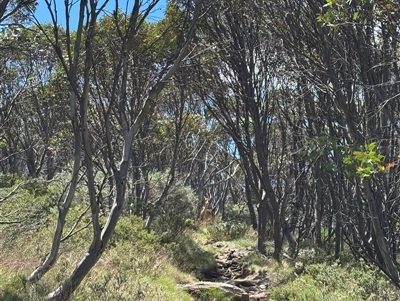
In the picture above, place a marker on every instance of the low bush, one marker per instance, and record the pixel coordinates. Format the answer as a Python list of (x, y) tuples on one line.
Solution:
[(9, 286), (175, 214), (191, 258), (215, 294), (227, 231), (238, 213), (133, 267), (302, 289), (333, 282), (9, 180)]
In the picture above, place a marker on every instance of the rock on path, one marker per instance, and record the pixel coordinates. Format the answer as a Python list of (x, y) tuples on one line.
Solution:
[(233, 277)]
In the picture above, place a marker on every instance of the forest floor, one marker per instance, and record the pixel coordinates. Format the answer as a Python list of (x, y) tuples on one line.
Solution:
[(199, 263), (313, 275), (202, 266)]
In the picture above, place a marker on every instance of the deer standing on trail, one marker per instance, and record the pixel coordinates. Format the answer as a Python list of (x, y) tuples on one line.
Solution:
[(207, 214)]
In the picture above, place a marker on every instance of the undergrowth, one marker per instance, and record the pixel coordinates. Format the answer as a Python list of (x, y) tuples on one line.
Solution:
[(192, 258), (135, 265), (143, 265), (215, 294), (333, 281), (227, 231)]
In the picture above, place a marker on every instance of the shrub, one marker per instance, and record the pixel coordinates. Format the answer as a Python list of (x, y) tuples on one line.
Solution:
[(132, 267), (9, 285), (173, 217), (141, 248), (215, 294), (301, 289), (227, 231), (9, 180), (332, 282), (130, 228), (238, 213), (191, 258)]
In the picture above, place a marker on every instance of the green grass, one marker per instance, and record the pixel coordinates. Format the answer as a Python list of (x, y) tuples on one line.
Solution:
[(10, 284), (139, 265), (225, 231), (215, 294), (334, 282), (192, 258), (126, 270), (135, 265)]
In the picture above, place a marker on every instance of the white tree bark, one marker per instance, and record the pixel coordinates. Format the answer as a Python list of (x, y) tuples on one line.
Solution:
[(71, 69)]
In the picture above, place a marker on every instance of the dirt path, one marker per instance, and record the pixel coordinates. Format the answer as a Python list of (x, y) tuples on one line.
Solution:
[(230, 271)]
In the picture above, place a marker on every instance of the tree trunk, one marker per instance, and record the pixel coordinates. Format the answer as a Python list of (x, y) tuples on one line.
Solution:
[(389, 264), (63, 210), (50, 169), (262, 226), (99, 243), (101, 239), (291, 240), (252, 212), (277, 234)]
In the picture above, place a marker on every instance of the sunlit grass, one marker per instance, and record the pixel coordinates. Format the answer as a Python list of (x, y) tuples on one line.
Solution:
[(137, 265), (134, 266)]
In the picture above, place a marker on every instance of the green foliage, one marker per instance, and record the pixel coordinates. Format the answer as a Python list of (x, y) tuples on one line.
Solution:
[(332, 282), (10, 296), (30, 205), (316, 148), (167, 29), (141, 248), (301, 289), (9, 180), (130, 228), (13, 287), (174, 215), (9, 285), (37, 188), (169, 285), (215, 294), (136, 275), (163, 129), (191, 258), (366, 161), (237, 213), (227, 231), (108, 41), (338, 12), (259, 263), (133, 267), (255, 258), (3, 147), (249, 241)]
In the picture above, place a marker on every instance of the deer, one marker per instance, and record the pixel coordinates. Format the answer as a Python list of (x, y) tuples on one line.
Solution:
[(207, 214)]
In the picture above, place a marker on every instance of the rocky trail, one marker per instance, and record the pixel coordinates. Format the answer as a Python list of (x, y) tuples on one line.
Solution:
[(232, 276)]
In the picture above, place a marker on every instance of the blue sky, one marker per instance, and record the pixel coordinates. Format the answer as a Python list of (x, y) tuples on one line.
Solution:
[(43, 15)]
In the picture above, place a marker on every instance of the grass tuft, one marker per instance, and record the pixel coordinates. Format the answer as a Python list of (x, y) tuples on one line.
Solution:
[(194, 259)]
